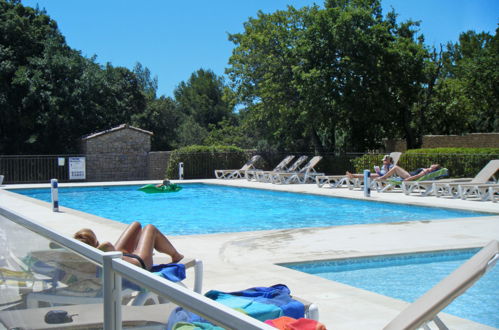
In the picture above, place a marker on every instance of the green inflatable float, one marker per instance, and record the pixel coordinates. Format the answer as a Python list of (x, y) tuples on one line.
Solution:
[(153, 189)]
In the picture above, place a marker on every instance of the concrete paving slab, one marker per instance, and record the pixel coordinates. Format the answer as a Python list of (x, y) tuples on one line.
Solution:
[(233, 261)]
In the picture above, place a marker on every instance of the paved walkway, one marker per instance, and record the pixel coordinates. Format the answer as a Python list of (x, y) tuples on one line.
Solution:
[(235, 261)]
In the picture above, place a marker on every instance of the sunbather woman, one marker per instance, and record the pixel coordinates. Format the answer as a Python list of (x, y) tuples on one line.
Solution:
[(387, 165), (136, 243), (409, 176)]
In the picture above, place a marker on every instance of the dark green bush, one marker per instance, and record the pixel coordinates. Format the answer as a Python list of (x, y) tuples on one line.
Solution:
[(461, 162), (201, 161), (367, 162)]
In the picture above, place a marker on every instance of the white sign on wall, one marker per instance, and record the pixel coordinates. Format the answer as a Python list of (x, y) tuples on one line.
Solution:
[(77, 168)]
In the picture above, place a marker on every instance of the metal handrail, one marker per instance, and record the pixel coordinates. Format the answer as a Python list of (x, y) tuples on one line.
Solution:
[(114, 268)]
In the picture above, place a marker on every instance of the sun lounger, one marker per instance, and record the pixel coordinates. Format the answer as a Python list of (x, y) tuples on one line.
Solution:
[(392, 183), (483, 192), (485, 176), (425, 309), (76, 280), (306, 174), (494, 193), (270, 176), (425, 187), (239, 173), (15, 273), (338, 181), (89, 316), (254, 175)]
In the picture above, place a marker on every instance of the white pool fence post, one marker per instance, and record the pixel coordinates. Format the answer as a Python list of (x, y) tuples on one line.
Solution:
[(54, 185), (112, 292), (367, 183), (181, 171)]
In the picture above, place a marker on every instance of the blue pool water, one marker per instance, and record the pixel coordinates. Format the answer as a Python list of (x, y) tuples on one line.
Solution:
[(407, 277), (202, 209)]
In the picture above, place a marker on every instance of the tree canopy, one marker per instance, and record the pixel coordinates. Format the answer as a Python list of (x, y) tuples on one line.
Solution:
[(341, 77), (50, 95)]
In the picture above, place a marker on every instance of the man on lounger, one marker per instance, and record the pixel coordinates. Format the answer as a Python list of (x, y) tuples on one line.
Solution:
[(409, 176)]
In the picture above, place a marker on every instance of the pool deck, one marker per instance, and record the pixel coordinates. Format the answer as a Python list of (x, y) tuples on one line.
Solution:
[(234, 261)]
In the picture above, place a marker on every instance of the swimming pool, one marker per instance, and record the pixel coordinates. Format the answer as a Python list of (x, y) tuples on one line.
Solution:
[(407, 277), (204, 208)]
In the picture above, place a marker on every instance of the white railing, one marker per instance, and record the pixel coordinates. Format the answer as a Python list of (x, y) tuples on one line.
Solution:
[(114, 268)]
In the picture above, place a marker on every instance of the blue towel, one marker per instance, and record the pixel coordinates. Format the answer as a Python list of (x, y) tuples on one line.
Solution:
[(172, 272), (260, 302), (181, 318)]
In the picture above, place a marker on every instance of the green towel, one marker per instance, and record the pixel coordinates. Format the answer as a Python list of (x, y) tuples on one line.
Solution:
[(430, 176), (434, 175)]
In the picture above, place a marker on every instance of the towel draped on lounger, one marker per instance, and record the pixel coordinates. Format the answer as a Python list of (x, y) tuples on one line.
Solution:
[(261, 303)]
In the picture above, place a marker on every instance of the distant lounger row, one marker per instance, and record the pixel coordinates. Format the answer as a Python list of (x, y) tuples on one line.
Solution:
[(484, 186), (285, 172)]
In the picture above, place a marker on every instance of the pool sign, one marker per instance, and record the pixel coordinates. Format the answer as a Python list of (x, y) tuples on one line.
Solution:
[(77, 168)]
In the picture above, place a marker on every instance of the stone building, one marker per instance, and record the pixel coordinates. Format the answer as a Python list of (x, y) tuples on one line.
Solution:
[(119, 153)]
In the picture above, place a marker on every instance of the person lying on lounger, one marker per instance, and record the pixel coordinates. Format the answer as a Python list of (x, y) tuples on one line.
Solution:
[(409, 176), (387, 165), (136, 243)]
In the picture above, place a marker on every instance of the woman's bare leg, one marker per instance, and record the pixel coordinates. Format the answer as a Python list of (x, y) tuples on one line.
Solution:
[(151, 239), (359, 176), (129, 238), (396, 170)]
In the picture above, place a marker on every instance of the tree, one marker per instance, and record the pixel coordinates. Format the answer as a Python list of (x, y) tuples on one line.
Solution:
[(190, 132), (315, 78), (473, 63), (229, 132), (466, 93), (24, 34), (202, 98), (262, 68), (163, 118), (148, 84), (50, 95)]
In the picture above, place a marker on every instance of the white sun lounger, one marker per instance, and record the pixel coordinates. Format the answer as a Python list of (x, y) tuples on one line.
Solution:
[(256, 175), (307, 173), (425, 309), (338, 181), (270, 176), (483, 192), (485, 176), (425, 187), (237, 173), (89, 316), (81, 285), (92, 317)]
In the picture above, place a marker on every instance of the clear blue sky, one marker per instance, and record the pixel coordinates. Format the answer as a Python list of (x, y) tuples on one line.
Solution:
[(175, 38)]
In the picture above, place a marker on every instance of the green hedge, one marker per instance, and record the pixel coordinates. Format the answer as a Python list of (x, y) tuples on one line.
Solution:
[(201, 161), (367, 162), (461, 162)]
